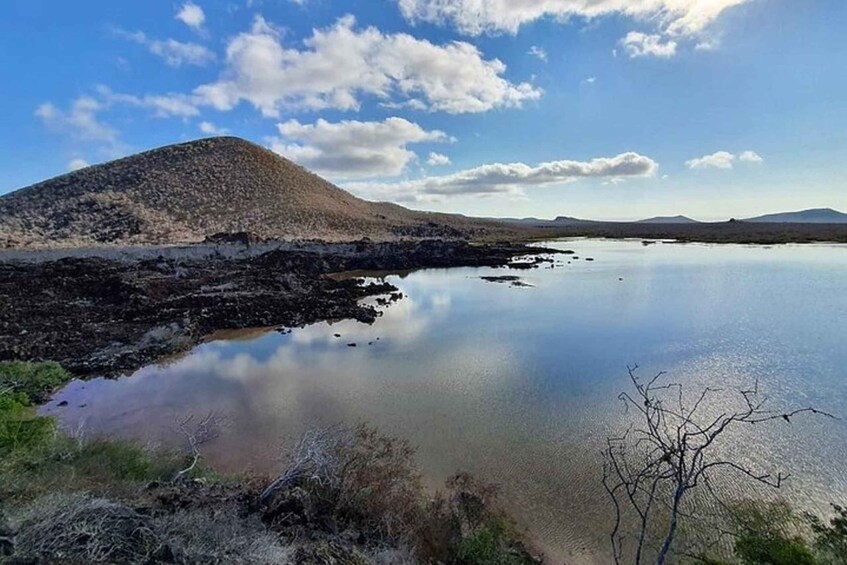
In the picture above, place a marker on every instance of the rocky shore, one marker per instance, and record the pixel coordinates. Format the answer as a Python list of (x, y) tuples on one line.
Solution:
[(100, 313)]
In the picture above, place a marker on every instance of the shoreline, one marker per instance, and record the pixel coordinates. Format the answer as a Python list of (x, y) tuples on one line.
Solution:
[(117, 311)]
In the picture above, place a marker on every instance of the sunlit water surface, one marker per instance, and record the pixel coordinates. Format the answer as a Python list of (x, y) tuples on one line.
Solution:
[(519, 385)]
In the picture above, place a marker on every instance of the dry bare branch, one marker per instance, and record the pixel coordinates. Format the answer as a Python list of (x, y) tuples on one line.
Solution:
[(651, 469), (196, 435)]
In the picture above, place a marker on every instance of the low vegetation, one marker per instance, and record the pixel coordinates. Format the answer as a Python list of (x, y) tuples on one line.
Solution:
[(346, 496), (775, 534)]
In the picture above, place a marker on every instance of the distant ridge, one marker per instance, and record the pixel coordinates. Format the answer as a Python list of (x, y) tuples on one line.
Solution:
[(559, 221), (668, 220), (811, 216), (186, 192)]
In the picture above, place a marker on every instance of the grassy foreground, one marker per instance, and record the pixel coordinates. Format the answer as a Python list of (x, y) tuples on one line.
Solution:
[(346, 496)]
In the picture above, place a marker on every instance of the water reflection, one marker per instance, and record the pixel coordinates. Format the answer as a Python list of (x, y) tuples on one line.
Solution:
[(518, 385)]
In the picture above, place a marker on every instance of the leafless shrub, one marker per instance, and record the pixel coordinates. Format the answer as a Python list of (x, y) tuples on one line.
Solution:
[(652, 468), (393, 556), (196, 434), (220, 535), (361, 478), (85, 528)]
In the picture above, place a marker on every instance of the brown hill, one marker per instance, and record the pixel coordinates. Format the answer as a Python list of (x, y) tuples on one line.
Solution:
[(183, 193)]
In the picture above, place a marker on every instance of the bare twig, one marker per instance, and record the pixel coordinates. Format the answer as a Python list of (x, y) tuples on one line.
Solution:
[(651, 469), (196, 435)]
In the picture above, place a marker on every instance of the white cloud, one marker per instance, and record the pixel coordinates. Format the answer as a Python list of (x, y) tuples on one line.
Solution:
[(707, 44), (352, 149), (674, 17), (162, 105), (512, 178), (437, 159), (77, 164), (723, 160), (717, 160), (211, 129), (80, 120), (174, 53), (750, 157), (340, 64), (191, 15), (538, 52), (639, 44), (589, 80)]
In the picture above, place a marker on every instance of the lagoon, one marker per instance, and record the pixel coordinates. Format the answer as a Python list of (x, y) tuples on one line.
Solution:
[(519, 384)]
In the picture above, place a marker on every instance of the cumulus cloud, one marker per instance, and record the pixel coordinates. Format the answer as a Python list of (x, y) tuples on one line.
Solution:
[(717, 160), (77, 164), (339, 65), (191, 15), (162, 105), (674, 17), (750, 157), (80, 120), (639, 44), (511, 178), (211, 129), (353, 149), (437, 159), (538, 52), (723, 160), (174, 53)]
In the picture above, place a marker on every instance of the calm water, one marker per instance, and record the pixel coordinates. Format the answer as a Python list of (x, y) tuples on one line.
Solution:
[(519, 385)]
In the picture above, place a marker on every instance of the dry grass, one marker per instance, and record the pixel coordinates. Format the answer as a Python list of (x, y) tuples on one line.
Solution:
[(96, 530), (220, 535), (182, 193), (78, 526)]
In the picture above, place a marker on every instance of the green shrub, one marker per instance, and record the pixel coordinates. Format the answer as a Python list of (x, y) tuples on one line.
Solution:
[(36, 380), (486, 546), (116, 460), (831, 540), (773, 548), (20, 427), (768, 535)]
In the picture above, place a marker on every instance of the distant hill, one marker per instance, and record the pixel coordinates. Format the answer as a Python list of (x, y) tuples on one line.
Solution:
[(813, 216), (186, 192), (668, 220), (559, 221)]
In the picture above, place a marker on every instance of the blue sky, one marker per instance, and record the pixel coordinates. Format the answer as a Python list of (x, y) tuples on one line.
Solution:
[(605, 109)]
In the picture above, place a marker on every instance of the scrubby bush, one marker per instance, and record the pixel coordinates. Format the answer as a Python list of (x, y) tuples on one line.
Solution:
[(831, 539), (36, 380), (220, 535), (20, 427), (774, 534), (349, 478), (361, 481), (83, 528), (86, 529), (769, 534)]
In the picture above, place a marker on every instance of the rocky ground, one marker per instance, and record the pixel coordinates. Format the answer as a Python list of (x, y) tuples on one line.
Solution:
[(105, 315)]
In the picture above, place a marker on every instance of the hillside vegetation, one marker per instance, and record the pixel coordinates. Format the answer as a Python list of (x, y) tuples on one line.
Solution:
[(186, 192)]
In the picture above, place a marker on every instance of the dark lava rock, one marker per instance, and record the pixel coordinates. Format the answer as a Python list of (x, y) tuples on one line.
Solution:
[(100, 316), (501, 279), (234, 238)]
